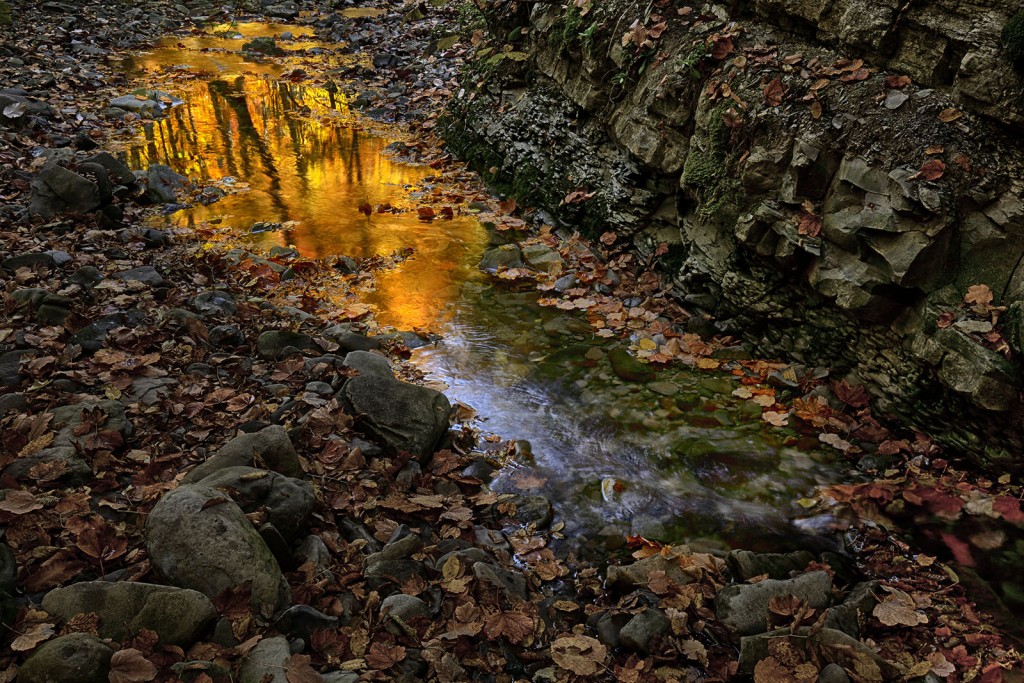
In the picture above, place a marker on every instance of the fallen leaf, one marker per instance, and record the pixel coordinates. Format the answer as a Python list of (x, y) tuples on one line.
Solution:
[(36, 634), (898, 609), (515, 626), (19, 503), (129, 666), (949, 115), (297, 669), (930, 170), (582, 655)]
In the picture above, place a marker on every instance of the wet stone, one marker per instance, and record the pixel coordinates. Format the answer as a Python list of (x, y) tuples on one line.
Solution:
[(644, 628), (271, 446), (278, 344), (74, 658), (745, 606), (301, 621)]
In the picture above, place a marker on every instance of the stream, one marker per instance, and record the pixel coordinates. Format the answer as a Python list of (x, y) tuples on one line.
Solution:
[(679, 458)]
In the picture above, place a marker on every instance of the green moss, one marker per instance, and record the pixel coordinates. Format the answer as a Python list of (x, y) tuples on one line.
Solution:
[(707, 169), (1013, 40), (563, 34), (5, 13)]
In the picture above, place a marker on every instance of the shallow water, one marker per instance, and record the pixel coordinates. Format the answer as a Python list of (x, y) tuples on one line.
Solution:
[(686, 461)]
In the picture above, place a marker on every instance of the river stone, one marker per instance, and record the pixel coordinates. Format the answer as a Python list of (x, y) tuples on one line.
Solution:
[(289, 500), (143, 107), (178, 616), (145, 274), (92, 336), (540, 256), (74, 658), (10, 366), (215, 303), (504, 256), (352, 341), (628, 368), (274, 344), (403, 417), (643, 628), (269, 448), (755, 648), (854, 610), (117, 171), (833, 673), (366, 363), (56, 189), (745, 564), (71, 471), (512, 584), (212, 548), (37, 259), (745, 606), (265, 662), (164, 184), (626, 577), (67, 420), (300, 621), (535, 510), (402, 608)]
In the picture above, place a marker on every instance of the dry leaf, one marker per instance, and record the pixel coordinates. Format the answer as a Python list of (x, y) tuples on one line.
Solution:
[(129, 666), (582, 655), (19, 503), (898, 609), (32, 637), (298, 670)]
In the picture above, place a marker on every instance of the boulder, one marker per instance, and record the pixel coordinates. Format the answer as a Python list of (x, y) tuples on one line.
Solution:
[(289, 500), (74, 658), (745, 564), (403, 417), (626, 577), (265, 662), (164, 184), (643, 628), (275, 344), (504, 256), (144, 274), (366, 363), (55, 190), (268, 448), (745, 606), (177, 615), (628, 368), (198, 538), (301, 621), (60, 463), (106, 415)]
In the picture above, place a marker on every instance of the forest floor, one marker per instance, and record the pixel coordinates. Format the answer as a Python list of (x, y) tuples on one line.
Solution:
[(354, 543)]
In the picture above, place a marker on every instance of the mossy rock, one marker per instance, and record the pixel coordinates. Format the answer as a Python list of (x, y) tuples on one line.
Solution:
[(1013, 40), (263, 46), (628, 368)]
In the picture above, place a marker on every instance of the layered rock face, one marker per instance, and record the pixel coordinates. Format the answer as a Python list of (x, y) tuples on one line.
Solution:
[(830, 178)]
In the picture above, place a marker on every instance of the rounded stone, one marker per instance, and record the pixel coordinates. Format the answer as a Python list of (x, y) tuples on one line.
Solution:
[(74, 658)]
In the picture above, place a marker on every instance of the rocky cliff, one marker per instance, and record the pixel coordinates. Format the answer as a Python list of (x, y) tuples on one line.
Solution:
[(832, 179)]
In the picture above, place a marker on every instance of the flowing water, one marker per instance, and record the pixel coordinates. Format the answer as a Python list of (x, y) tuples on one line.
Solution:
[(680, 457)]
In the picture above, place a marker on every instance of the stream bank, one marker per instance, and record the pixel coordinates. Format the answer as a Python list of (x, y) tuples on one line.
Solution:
[(398, 565), (828, 196)]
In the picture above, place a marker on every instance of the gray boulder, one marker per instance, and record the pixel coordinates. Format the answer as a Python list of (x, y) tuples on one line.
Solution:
[(72, 469), (643, 628), (143, 107), (289, 500), (745, 564), (275, 344), (265, 662), (106, 414), (55, 190), (269, 448), (745, 606), (198, 538), (505, 256), (403, 417), (178, 616), (366, 363), (164, 184), (74, 658)]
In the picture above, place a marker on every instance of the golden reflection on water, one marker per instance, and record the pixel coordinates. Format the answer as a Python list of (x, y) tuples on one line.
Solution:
[(302, 161)]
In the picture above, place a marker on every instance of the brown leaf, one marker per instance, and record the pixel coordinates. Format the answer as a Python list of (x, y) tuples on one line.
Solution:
[(515, 626), (19, 503), (582, 655), (774, 92), (949, 115), (978, 295), (60, 567), (384, 656), (898, 609), (930, 170), (770, 670), (298, 670), (129, 666), (897, 82), (37, 633)]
